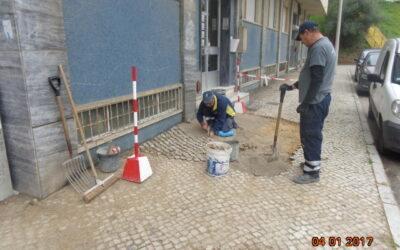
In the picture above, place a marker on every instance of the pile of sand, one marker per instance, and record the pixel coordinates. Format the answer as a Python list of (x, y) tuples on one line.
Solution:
[(255, 137)]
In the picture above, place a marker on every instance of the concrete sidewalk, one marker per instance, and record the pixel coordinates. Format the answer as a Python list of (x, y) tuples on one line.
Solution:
[(181, 207)]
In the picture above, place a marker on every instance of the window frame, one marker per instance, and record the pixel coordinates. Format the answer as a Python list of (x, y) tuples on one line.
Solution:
[(396, 65)]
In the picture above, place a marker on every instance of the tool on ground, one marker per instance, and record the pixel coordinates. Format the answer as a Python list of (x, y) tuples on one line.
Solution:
[(239, 106), (89, 186), (109, 147), (137, 167), (55, 83), (275, 152)]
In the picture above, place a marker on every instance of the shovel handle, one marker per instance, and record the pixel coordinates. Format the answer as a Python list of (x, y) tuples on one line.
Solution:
[(278, 119), (55, 83), (283, 92)]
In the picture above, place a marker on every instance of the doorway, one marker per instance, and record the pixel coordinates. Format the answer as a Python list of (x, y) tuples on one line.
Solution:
[(210, 43)]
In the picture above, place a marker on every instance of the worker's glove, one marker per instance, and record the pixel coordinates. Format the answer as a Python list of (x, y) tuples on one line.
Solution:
[(285, 87), (303, 108)]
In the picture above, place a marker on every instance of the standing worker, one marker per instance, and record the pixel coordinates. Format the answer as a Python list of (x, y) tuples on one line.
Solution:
[(314, 85), (219, 114)]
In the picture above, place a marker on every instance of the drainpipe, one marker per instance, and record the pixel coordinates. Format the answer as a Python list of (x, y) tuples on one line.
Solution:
[(262, 41), (238, 22), (289, 49), (279, 38)]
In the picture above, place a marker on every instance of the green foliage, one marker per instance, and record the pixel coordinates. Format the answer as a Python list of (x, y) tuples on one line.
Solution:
[(390, 25), (357, 17)]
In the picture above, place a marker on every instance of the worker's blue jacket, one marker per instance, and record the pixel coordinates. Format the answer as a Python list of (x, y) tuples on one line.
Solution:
[(220, 111)]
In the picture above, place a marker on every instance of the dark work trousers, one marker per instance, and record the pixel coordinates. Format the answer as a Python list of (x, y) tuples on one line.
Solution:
[(229, 123), (311, 125)]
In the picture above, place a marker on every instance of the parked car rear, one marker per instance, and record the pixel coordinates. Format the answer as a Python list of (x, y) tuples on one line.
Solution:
[(360, 60), (384, 100), (367, 67)]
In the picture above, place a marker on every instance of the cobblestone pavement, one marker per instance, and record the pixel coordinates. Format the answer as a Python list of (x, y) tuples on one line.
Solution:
[(177, 144), (181, 207)]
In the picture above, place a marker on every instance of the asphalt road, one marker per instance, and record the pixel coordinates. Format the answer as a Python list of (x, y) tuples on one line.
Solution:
[(391, 161)]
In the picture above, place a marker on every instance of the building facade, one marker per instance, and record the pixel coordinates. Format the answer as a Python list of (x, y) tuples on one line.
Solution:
[(180, 48)]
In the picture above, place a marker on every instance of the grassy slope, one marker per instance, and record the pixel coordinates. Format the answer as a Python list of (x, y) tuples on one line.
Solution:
[(390, 27)]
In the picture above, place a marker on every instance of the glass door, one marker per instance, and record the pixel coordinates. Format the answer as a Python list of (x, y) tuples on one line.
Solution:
[(210, 40)]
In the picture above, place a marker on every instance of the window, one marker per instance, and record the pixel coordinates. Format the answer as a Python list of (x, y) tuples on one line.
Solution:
[(384, 66), (271, 15), (271, 10), (285, 17), (284, 20), (115, 116), (251, 10), (396, 70)]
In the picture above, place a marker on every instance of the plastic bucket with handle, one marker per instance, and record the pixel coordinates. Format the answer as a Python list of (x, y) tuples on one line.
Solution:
[(217, 158)]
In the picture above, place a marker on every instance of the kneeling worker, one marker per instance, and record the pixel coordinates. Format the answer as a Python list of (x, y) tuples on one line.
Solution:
[(219, 114)]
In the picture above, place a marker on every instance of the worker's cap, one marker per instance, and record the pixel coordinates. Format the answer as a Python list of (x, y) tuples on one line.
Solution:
[(208, 97), (308, 25)]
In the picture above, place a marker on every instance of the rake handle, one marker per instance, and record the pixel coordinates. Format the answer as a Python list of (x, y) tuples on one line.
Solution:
[(78, 122)]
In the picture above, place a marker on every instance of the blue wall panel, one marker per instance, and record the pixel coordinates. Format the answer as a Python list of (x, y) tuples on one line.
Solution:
[(251, 58), (284, 47), (270, 46), (106, 38)]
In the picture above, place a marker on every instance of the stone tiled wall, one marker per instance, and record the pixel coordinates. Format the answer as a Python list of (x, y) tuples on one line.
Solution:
[(32, 44), (5, 179), (190, 72)]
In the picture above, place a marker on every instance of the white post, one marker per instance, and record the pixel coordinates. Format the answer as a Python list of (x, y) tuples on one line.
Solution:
[(338, 26)]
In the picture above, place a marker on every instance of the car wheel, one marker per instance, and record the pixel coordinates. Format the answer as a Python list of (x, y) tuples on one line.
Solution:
[(356, 76), (380, 142), (370, 113)]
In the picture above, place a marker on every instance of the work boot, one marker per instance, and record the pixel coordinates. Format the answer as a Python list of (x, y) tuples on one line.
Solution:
[(306, 178)]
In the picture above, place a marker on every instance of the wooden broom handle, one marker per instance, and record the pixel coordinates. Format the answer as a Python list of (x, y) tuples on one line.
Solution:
[(77, 120)]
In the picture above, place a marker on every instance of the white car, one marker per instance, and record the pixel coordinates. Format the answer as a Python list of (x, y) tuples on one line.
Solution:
[(384, 98)]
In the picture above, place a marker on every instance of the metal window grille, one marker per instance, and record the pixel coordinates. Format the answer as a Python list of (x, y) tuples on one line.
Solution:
[(282, 66), (270, 70), (107, 117)]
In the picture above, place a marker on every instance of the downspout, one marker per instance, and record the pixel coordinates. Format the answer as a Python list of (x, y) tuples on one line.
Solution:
[(290, 35), (279, 38), (238, 23), (262, 41)]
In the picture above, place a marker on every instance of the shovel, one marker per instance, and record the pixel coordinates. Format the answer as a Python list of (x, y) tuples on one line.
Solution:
[(275, 153)]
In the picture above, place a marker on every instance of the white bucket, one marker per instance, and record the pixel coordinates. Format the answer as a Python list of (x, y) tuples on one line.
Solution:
[(218, 154)]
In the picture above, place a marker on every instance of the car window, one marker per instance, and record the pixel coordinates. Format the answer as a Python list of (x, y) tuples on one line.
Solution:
[(384, 66), (396, 70), (372, 59)]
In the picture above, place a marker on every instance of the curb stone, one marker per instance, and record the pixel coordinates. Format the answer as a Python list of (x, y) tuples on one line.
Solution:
[(392, 209)]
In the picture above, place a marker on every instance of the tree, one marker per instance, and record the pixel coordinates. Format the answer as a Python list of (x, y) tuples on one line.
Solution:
[(357, 17)]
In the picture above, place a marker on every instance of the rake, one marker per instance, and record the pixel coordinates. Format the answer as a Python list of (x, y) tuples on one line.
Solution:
[(89, 186)]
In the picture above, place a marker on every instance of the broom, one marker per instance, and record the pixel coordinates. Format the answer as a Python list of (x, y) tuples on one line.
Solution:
[(100, 185)]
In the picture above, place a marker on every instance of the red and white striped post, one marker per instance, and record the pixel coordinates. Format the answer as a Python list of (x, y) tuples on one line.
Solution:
[(137, 167), (238, 74), (135, 116), (240, 107)]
